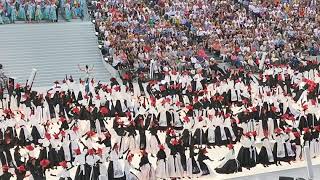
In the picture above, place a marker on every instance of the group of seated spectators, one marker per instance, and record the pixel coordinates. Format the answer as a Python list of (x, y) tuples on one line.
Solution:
[(40, 10), (152, 34)]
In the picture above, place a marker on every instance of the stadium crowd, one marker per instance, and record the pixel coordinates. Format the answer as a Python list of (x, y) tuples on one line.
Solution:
[(148, 35)]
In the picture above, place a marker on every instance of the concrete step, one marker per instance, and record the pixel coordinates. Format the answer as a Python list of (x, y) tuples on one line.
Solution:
[(54, 49)]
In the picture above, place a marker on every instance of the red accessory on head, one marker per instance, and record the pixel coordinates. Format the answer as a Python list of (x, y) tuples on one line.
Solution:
[(47, 135), (62, 119), (29, 148), (76, 110), (130, 158), (44, 163), (254, 133), (75, 128), (287, 130), (63, 164), (56, 136), (227, 115), (18, 86), (189, 107), (117, 88), (305, 107), (254, 109), (230, 146), (306, 130), (162, 88), (21, 168), (104, 111), (91, 151), (278, 130), (91, 133), (77, 151), (5, 168), (178, 103), (186, 119), (86, 96), (174, 142), (296, 134), (161, 147), (63, 133), (248, 134), (99, 151)]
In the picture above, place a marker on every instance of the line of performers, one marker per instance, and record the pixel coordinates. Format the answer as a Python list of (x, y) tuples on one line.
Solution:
[(160, 129)]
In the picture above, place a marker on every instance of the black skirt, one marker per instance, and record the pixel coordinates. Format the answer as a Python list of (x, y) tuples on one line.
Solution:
[(195, 167), (35, 135), (86, 175), (263, 157), (22, 139), (217, 135), (80, 175), (143, 141), (230, 167), (69, 178), (246, 158), (53, 157), (186, 138), (200, 137), (204, 168), (286, 158)]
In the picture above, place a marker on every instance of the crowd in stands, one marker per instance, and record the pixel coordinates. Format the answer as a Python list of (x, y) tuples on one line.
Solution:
[(29, 11), (148, 35)]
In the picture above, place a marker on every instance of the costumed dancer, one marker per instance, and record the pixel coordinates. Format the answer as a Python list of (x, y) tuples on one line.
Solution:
[(229, 163)]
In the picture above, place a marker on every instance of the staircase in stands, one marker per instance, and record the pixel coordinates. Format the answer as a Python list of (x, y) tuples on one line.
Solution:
[(54, 49)]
